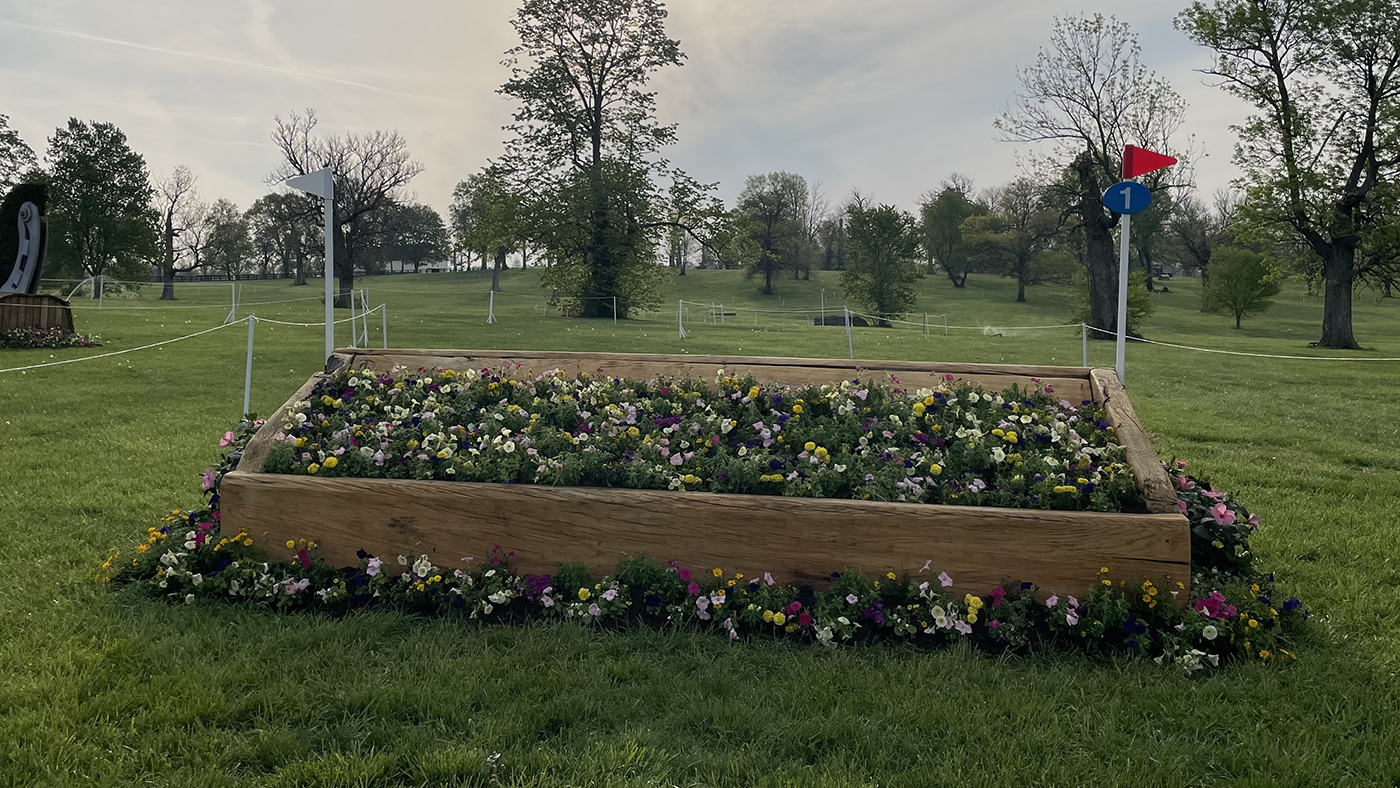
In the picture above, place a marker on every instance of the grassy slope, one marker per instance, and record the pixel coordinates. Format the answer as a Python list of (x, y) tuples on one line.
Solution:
[(113, 688)]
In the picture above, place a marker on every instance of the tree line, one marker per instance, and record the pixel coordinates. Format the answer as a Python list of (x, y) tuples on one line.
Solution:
[(583, 187)]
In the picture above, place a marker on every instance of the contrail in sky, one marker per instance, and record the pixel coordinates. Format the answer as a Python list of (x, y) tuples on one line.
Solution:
[(216, 59)]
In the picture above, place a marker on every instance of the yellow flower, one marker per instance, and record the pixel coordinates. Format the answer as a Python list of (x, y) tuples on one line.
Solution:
[(890, 575), (332, 461), (141, 548), (1253, 624), (768, 616), (935, 469), (312, 468), (999, 433), (1065, 488), (1264, 654), (790, 628), (753, 392), (717, 572), (796, 408), (971, 617), (412, 444), (690, 478), (1011, 437), (301, 442), (1103, 570), (633, 432), (919, 408), (584, 594), (809, 445), (291, 545), (248, 542), (1083, 480), (779, 618)]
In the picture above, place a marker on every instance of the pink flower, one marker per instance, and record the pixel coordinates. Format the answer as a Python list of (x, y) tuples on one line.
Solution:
[(228, 438), (610, 594), (804, 619), (209, 479), (372, 568), (685, 574), (997, 594), (1071, 618), (927, 564), (677, 459), (962, 627), (1052, 601), (303, 558), (794, 607), (1180, 504), (945, 579), (994, 624), (851, 599), (1183, 483), (768, 579), (1222, 514), (594, 610), (693, 588)]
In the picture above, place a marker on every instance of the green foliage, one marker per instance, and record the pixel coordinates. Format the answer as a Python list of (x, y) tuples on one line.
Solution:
[(1140, 304), (774, 209), (1015, 238), (1242, 283), (883, 264), (101, 221), (228, 245), (15, 156), (941, 222)]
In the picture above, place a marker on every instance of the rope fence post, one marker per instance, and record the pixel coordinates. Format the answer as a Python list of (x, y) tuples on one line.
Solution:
[(1084, 340), (680, 317), (248, 368), (850, 342), (945, 324), (354, 332), (101, 290), (491, 309), (384, 325), (365, 312), (721, 314), (925, 324), (614, 298)]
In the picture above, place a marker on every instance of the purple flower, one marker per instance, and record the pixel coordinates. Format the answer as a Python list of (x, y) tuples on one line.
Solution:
[(594, 610), (372, 568), (945, 579)]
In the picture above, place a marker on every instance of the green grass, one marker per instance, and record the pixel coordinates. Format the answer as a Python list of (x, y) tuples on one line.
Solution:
[(105, 686)]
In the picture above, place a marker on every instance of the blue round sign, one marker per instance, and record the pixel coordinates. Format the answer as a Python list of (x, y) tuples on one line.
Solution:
[(1127, 197)]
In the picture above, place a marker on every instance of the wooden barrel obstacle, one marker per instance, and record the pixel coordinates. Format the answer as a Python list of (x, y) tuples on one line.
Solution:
[(797, 539), (24, 311)]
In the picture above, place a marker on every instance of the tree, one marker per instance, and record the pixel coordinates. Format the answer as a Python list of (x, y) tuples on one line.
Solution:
[(101, 218), (942, 217), (1242, 283), (586, 148), (489, 217), (371, 172), (1086, 97), (228, 247), (287, 227), (15, 156), (883, 264), (1016, 237), (776, 207), (1324, 76), (414, 234), (1196, 229), (178, 203)]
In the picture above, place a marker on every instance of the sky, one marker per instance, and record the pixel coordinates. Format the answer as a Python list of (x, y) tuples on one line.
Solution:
[(886, 96)]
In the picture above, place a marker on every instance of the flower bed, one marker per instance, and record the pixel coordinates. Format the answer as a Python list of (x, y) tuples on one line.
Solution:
[(35, 338), (1230, 612)]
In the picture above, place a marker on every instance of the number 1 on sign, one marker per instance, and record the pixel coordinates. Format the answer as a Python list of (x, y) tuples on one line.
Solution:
[(1127, 198)]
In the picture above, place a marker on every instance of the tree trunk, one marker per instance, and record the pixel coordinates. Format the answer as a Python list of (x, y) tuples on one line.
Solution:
[(1238, 317), (344, 267), (496, 272), (1098, 249), (1339, 269), (1020, 289), (167, 292)]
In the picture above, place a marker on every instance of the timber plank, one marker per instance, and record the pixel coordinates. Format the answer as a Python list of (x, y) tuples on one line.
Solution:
[(798, 539), (1151, 477)]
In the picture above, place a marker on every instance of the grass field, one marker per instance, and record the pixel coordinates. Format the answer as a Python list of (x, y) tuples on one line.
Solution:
[(103, 686)]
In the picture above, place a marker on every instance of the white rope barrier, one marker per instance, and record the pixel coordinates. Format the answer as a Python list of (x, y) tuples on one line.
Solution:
[(1240, 352), (322, 323), (121, 352)]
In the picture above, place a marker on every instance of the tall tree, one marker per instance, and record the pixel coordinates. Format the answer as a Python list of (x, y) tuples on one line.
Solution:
[(942, 216), (371, 173), (1324, 76), (15, 156), (101, 215), (228, 246), (1086, 97), (1015, 238), (1196, 229), (177, 202), (586, 148), (489, 217), (285, 227), (414, 234), (777, 209), (883, 264)]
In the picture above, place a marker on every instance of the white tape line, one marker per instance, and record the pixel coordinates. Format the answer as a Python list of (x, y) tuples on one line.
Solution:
[(120, 352)]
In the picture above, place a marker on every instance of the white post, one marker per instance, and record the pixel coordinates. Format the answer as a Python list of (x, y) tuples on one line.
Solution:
[(491, 309), (384, 324), (925, 324), (850, 343), (328, 191), (680, 317), (945, 324), (248, 369), (100, 289), (721, 314), (1084, 340), (614, 298), (823, 306), (1123, 295), (354, 330)]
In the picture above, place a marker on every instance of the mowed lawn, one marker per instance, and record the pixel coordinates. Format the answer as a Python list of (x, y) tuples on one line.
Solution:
[(106, 686)]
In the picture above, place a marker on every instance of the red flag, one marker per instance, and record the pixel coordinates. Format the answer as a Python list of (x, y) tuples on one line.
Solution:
[(1140, 161)]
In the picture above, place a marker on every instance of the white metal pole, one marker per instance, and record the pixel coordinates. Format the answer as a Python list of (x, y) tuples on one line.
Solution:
[(721, 314), (614, 298), (1123, 295), (354, 329), (100, 289), (329, 192), (823, 306), (364, 315), (491, 308), (850, 343), (945, 324), (248, 369), (1084, 340), (925, 324), (384, 324), (680, 317)]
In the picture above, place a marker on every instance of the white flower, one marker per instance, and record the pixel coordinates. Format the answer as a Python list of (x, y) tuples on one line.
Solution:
[(508, 447), (422, 567), (1210, 632), (189, 599), (840, 468), (997, 454), (499, 598), (196, 579)]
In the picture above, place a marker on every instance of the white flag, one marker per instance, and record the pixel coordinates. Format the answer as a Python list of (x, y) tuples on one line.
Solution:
[(317, 183)]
